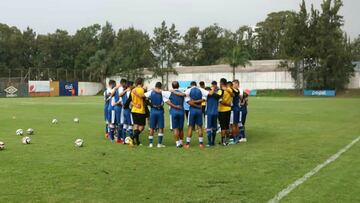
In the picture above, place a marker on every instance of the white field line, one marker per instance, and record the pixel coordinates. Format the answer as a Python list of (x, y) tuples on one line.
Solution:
[(301, 180)]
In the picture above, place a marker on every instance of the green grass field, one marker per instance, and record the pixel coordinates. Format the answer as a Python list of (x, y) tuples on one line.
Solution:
[(287, 137)]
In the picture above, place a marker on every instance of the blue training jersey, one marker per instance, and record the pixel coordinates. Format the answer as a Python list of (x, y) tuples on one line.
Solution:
[(156, 100), (195, 94), (236, 100), (177, 100), (212, 104), (106, 97)]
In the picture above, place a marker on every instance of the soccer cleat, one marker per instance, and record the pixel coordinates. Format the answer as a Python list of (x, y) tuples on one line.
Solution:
[(131, 142), (119, 141), (160, 146), (186, 146), (243, 140), (180, 146), (150, 145), (201, 146)]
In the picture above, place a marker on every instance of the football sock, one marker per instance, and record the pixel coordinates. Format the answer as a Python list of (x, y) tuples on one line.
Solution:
[(180, 142), (188, 140), (106, 128), (177, 143), (130, 131), (213, 137), (111, 133), (201, 140), (160, 138), (209, 136), (242, 132), (123, 136), (119, 131), (151, 138)]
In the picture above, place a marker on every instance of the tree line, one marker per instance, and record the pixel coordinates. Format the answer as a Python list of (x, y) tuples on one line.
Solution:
[(311, 45)]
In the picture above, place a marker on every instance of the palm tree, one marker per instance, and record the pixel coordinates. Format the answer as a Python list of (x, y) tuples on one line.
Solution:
[(238, 57)]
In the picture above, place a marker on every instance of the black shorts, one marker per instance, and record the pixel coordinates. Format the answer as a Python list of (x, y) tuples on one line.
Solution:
[(139, 119), (224, 120)]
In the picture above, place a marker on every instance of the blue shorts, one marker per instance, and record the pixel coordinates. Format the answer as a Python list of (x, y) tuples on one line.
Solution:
[(235, 116), (195, 117), (177, 120), (126, 117), (157, 119), (115, 115), (106, 114), (211, 121)]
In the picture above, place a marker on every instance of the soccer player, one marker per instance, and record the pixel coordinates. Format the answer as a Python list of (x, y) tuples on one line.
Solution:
[(107, 93), (203, 104), (225, 111), (194, 96), (211, 114), (157, 120), (118, 92), (111, 111), (186, 108), (235, 111), (126, 119), (138, 110), (243, 113), (176, 101)]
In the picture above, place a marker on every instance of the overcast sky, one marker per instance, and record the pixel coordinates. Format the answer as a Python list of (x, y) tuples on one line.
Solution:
[(46, 16)]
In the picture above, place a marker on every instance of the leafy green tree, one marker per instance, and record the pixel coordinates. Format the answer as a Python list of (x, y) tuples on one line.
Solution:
[(189, 50), (355, 49), (211, 45), (165, 47), (131, 53), (270, 34), (238, 57)]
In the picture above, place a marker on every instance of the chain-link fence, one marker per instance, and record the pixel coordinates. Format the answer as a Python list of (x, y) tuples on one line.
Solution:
[(50, 74)]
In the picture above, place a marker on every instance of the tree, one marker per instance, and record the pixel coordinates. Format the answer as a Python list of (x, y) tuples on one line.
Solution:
[(189, 50), (211, 45), (238, 57), (320, 53), (355, 49), (164, 46), (270, 34), (131, 53)]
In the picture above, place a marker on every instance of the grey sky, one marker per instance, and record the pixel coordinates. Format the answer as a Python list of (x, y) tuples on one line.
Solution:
[(46, 15)]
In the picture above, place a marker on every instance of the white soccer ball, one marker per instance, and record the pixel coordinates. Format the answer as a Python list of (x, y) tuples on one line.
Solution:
[(2, 145), (30, 131), (79, 142), (76, 120), (54, 121), (19, 132), (26, 140), (127, 140)]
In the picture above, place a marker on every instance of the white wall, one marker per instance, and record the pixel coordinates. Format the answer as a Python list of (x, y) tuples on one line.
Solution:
[(263, 74), (89, 88)]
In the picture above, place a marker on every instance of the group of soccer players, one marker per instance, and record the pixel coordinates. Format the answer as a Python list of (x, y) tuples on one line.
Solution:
[(127, 111)]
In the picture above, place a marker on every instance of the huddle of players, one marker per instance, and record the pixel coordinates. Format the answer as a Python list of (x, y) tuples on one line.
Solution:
[(126, 111)]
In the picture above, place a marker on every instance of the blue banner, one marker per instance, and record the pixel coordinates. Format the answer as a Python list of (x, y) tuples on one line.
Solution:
[(253, 93), (68, 88), (184, 85), (321, 93)]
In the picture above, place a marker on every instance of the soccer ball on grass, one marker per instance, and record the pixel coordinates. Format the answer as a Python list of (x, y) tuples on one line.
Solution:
[(26, 140), (79, 143), (19, 132), (30, 131), (2, 145), (54, 121)]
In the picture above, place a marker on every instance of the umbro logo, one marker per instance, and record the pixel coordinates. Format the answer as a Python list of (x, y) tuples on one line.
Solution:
[(10, 91)]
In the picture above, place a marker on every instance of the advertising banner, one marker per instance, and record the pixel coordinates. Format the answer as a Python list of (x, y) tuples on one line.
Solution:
[(54, 88), (89, 88), (321, 93), (39, 86), (68, 88)]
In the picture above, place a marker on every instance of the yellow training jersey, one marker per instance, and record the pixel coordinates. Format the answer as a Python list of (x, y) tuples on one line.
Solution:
[(137, 102), (227, 99)]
